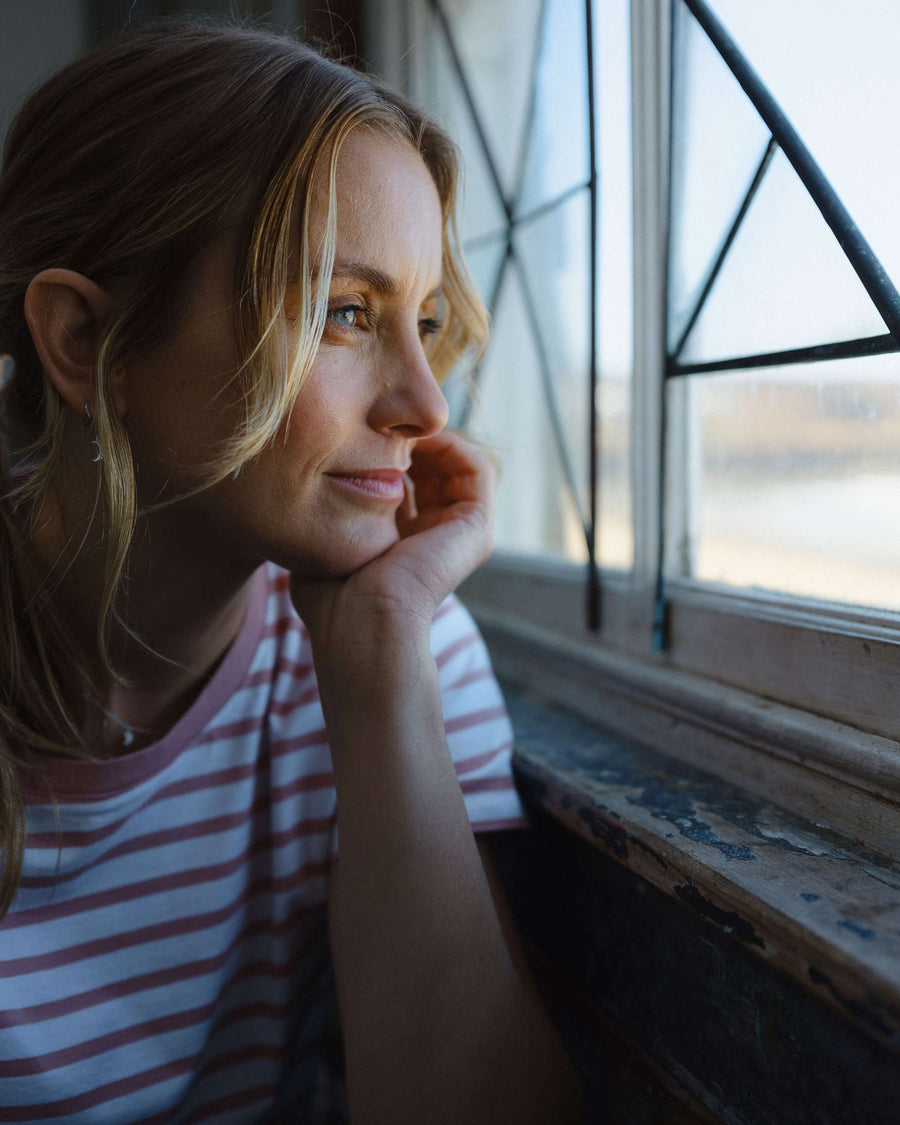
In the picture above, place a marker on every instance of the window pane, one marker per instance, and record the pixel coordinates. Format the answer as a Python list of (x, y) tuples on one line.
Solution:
[(832, 65), (496, 42), (796, 479), (483, 261), (558, 154), (554, 252), (544, 495), (615, 295), (480, 211), (535, 510), (785, 283), (615, 546), (718, 140)]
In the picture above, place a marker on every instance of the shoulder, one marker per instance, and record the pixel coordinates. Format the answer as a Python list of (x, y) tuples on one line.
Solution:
[(454, 633)]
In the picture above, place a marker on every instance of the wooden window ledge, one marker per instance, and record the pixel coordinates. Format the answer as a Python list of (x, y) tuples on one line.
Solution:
[(820, 908)]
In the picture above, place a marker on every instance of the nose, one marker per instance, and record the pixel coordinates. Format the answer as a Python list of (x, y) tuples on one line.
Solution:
[(410, 402)]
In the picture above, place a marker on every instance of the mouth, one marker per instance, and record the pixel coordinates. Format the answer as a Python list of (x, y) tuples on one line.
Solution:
[(376, 484)]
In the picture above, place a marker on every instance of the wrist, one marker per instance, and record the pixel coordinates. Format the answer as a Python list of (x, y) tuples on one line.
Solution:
[(372, 656), (373, 698)]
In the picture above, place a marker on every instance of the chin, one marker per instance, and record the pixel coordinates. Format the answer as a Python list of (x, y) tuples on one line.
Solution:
[(336, 559)]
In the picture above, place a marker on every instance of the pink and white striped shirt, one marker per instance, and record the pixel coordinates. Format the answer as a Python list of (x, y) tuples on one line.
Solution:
[(166, 957)]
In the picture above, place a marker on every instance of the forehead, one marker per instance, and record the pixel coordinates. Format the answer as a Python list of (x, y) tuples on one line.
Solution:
[(388, 209)]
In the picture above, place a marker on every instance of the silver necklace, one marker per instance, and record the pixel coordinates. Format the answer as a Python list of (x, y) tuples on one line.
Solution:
[(128, 731)]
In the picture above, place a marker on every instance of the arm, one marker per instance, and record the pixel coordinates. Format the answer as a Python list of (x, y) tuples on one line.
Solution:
[(438, 1023)]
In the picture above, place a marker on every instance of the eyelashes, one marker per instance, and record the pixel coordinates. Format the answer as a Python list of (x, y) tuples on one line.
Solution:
[(354, 317), (345, 316)]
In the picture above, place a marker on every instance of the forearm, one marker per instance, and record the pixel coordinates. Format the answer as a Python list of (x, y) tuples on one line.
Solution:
[(437, 1026)]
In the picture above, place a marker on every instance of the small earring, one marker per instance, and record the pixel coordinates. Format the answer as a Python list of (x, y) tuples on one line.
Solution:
[(86, 422)]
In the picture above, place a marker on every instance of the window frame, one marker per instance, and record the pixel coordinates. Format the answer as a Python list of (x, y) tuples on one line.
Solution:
[(787, 696)]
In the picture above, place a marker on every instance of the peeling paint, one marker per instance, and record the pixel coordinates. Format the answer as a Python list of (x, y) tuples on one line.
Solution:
[(654, 855), (677, 809), (864, 932), (728, 920), (563, 741), (792, 841), (614, 839)]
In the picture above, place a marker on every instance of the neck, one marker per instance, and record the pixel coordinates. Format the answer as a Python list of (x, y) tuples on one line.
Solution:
[(181, 610)]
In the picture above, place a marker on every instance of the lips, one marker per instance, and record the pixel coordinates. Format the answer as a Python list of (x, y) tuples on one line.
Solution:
[(374, 484), (371, 474)]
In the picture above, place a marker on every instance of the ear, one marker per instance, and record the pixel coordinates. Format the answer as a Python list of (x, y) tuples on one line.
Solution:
[(66, 312)]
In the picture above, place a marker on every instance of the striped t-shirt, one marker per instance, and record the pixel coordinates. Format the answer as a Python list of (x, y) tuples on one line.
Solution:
[(166, 957)]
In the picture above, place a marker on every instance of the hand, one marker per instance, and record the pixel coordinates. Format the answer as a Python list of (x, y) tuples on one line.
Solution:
[(445, 524)]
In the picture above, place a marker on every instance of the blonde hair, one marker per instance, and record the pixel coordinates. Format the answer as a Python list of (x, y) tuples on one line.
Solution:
[(124, 166)]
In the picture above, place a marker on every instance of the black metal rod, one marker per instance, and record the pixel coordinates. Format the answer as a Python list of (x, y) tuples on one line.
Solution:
[(593, 576), (543, 361), (478, 241), (758, 177), (550, 397), (815, 353), (868, 268), (472, 107), (528, 125), (551, 204), (660, 600), (538, 212)]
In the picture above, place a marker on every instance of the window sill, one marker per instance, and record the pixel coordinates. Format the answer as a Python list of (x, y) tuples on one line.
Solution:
[(821, 908), (825, 771)]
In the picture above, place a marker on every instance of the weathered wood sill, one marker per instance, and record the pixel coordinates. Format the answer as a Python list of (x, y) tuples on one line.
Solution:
[(748, 884)]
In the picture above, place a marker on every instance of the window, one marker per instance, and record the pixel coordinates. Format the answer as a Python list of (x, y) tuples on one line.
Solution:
[(511, 83), (723, 531), (795, 465)]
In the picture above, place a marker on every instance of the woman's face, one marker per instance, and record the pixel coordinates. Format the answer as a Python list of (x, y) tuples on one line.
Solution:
[(369, 397)]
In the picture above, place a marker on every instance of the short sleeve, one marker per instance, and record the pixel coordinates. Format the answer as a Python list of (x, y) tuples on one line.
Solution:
[(478, 729)]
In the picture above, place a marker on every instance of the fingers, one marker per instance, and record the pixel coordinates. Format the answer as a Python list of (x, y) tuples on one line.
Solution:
[(407, 509), (447, 468), (408, 512)]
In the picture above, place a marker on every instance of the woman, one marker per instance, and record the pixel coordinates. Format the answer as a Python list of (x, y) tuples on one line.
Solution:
[(228, 288)]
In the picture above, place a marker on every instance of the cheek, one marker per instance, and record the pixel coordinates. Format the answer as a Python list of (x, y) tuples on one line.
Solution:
[(176, 415), (324, 417)]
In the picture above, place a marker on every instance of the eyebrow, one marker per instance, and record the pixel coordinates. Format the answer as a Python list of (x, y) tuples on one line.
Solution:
[(380, 281)]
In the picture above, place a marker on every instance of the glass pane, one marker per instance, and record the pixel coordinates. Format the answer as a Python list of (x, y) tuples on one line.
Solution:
[(483, 262), (718, 139), (535, 511), (797, 479), (558, 153), (785, 283), (554, 253), (615, 311), (480, 211), (496, 43), (832, 65), (615, 542)]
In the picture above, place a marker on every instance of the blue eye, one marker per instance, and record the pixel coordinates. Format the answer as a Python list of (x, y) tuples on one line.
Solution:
[(346, 316)]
